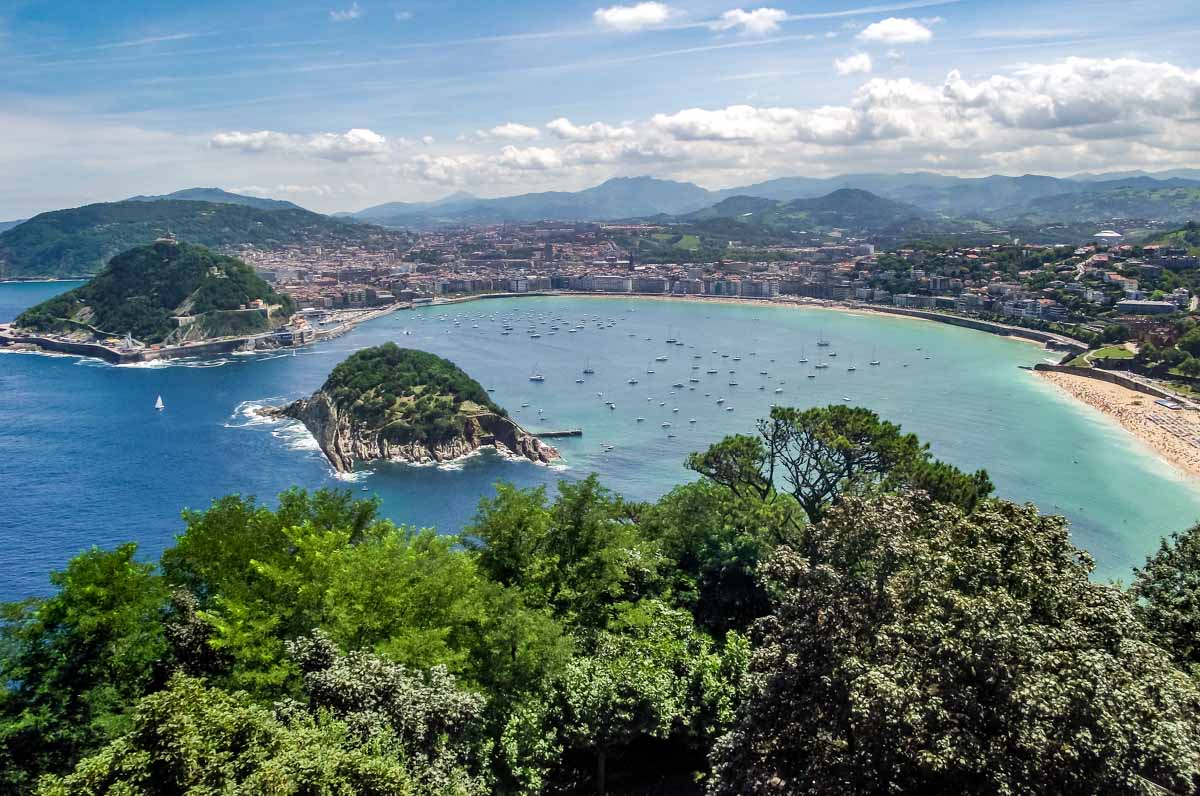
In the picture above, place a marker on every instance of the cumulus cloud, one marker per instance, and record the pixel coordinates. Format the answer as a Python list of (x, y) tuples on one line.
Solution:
[(588, 133), (537, 158), (512, 131), (351, 144), (896, 30), (349, 14), (403, 16), (758, 22), (628, 19), (857, 64)]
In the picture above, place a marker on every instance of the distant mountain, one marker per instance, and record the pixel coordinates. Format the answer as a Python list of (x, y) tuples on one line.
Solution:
[(622, 197), (10, 224), (218, 196), (845, 208), (142, 291), (80, 240), (1169, 174), (1136, 198), (394, 209)]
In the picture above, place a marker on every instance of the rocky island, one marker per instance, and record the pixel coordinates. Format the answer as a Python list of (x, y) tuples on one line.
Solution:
[(400, 404)]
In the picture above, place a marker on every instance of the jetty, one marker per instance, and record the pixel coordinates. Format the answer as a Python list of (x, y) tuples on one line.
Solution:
[(569, 432)]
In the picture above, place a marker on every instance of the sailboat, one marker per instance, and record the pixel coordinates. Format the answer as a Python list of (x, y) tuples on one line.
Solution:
[(536, 375), (158, 404), (587, 370)]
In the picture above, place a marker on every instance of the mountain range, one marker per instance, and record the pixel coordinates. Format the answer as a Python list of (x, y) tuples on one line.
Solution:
[(999, 198)]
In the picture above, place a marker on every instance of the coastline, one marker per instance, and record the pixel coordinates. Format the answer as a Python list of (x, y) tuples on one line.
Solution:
[(1167, 432)]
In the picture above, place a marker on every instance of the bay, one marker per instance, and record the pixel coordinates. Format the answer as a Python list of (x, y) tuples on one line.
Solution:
[(86, 460)]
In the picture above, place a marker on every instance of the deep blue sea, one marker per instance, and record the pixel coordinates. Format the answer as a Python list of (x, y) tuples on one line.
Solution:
[(86, 460)]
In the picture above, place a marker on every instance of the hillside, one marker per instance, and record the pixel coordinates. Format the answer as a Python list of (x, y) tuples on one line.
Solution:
[(80, 240), (1170, 202), (1187, 237), (144, 290), (846, 208), (219, 196), (401, 404)]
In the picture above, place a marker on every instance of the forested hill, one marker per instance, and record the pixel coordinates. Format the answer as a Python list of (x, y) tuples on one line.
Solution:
[(80, 240), (141, 291), (392, 385)]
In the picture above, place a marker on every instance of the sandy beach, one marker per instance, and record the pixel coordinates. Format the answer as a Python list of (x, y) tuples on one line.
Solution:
[(1172, 433)]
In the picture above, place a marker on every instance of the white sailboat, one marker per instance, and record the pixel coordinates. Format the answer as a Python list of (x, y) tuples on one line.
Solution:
[(158, 404)]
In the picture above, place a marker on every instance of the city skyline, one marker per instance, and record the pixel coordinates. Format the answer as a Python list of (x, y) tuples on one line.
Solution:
[(338, 106)]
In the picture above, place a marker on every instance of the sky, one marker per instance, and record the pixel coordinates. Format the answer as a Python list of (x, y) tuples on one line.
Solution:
[(344, 104)]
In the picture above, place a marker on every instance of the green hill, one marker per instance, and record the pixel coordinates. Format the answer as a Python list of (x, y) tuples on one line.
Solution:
[(218, 196), (145, 290), (1171, 203), (80, 240), (1187, 237)]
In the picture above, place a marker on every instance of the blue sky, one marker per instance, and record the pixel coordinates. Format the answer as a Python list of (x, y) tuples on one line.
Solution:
[(343, 104)]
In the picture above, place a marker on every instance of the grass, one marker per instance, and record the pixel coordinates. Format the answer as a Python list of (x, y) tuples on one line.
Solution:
[(1111, 352), (688, 242)]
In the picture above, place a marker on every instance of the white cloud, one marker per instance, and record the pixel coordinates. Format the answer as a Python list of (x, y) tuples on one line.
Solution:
[(857, 64), (896, 30), (537, 158), (428, 140), (588, 133), (628, 19), (758, 22), (403, 16), (345, 14), (351, 144), (512, 131)]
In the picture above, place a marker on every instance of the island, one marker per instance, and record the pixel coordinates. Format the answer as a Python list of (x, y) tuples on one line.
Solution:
[(400, 404), (163, 296)]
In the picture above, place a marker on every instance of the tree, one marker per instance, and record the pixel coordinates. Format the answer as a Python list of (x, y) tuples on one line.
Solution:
[(73, 665), (580, 556), (918, 649), (651, 675), (821, 455), (1190, 342), (1167, 589), (713, 540)]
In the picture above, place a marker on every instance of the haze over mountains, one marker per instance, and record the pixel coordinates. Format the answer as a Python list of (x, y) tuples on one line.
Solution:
[(996, 197)]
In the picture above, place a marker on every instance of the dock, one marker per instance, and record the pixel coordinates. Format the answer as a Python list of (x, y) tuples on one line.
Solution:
[(570, 432)]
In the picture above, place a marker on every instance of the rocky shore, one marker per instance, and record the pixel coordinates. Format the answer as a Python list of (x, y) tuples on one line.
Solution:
[(345, 441)]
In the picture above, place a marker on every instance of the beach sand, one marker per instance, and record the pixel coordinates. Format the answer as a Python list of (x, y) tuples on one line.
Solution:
[(1172, 433)]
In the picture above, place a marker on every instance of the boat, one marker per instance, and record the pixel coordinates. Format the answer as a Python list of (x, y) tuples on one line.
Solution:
[(665, 425), (660, 359), (691, 420), (778, 390), (158, 404), (833, 353), (588, 370), (821, 365), (632, 381), (874, 361), (733, 384), (720, 400), (694, 380), (729, 409), (524, 404), (641, 420), (678, 385), (536, 377), (823, 342), (579, 381), (851, 369)]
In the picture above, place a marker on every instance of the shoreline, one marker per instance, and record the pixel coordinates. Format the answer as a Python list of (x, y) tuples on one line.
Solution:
[(1172, 434)]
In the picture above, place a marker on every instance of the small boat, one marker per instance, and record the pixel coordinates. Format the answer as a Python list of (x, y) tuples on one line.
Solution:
[(823, 343), (536, 377), (874, 361), (720, 401), (778, 390), (660, 359), (733, 384), (158, 404), (821, 365), (691, 420), (729, 409), (694, 380), (632, 381), (851, 369), (676, 409), (579, 381), (677, 384), (641, 420), (833, 353), (665, 425), (524, 404)]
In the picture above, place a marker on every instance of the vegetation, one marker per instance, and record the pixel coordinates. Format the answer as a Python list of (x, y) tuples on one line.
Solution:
[(141, 291), (81, 240), (413, 395), (875, 623)]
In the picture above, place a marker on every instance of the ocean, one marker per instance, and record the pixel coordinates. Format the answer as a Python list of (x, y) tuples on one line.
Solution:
[(86, 460)]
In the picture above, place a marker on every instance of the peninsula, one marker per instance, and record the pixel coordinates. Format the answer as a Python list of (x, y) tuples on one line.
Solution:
[(400, 404), (164, 294)]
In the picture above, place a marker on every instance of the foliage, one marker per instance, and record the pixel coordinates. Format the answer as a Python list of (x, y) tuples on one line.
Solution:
[(713, 541), (410, 394), (917, 649), (140, 291), (74, 663), (824, 454), (580, 557), (1167, 589)]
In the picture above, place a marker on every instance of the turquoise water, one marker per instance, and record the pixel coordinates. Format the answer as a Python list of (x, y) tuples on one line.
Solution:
[(85, 459)]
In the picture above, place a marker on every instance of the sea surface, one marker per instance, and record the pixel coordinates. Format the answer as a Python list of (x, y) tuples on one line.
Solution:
[(86, 460)]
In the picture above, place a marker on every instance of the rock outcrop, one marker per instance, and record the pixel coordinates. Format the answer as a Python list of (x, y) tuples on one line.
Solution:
[(345, 440)]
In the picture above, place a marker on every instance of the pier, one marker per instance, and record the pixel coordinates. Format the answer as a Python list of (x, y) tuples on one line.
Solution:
[(569, 432)]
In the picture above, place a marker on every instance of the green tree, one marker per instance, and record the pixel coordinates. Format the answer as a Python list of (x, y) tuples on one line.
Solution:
[(580, 556), (1167, 589), (73, 665), (1190, 342), (651, 675), (821, 455), (917, 649), (713, 541)]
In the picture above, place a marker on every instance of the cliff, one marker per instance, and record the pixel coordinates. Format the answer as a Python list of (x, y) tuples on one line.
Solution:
[(344, 438)]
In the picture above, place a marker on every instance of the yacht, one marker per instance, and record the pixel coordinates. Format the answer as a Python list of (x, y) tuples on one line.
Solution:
[(778, 390), (660, 359), (536, 377), (632, 381)]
